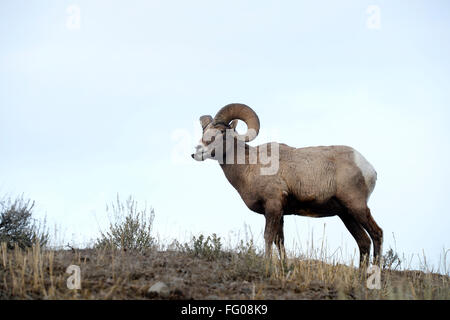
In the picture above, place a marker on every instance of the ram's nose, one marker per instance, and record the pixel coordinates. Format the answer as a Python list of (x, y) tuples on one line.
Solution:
[(192, 155)]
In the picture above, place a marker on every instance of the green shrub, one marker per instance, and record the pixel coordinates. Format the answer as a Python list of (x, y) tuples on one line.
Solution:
[(129, 228), (248, 263), (209, 248), (17, 225)]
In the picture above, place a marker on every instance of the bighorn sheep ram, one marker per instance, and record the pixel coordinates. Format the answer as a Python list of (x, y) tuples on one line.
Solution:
[(312, 181)]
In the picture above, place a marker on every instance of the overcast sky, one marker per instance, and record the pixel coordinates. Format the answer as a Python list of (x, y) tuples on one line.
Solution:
[(103, 97)]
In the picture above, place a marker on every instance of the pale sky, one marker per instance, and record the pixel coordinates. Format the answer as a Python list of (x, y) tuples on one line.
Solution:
[(110, 104)]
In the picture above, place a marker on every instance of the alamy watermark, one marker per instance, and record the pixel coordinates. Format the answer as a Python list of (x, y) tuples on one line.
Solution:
[(74, 281), (73, 20), (373, 21), (374, 280)]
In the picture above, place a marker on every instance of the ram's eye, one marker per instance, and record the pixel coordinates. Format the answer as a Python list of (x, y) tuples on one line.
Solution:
[(210, 140)]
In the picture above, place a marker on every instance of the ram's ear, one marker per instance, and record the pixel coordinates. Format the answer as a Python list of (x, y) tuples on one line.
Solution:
[(205, 120), (233, 124)]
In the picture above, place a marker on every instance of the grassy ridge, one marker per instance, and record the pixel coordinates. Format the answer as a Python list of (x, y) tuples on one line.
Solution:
[(199, 273)]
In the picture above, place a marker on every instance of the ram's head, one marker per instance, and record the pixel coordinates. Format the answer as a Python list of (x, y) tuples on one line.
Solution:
[(222, 128)]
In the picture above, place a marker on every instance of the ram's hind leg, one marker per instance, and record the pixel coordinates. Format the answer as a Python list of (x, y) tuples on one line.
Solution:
[(361, 214), (376, 233), (360, 236)]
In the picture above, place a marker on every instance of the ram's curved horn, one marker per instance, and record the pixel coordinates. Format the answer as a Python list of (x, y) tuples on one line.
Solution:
[(242, 112)]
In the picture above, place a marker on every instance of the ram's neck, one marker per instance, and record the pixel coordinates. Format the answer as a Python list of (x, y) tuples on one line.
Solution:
[(238, 167)]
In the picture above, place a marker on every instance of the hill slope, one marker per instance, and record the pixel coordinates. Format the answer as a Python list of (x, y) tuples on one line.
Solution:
[(113, 274)]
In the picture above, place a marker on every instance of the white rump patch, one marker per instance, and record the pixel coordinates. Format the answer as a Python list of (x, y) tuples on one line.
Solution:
[(368, 172)]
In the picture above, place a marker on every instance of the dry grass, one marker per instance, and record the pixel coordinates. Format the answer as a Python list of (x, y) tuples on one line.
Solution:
[(126, 260), (242, 273)]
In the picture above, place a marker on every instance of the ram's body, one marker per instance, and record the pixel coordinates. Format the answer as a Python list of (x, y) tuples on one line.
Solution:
[(312, 181), (309, 180)]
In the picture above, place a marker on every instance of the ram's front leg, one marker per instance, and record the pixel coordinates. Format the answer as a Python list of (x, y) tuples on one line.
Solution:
[(279, 240), (273, 232)]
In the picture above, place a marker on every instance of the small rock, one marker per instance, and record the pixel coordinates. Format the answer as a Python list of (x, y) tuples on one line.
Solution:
[(316, 285), (217, 286), (246, 290), (110, 280), (160, 289), (177, 282), (177, 294)]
